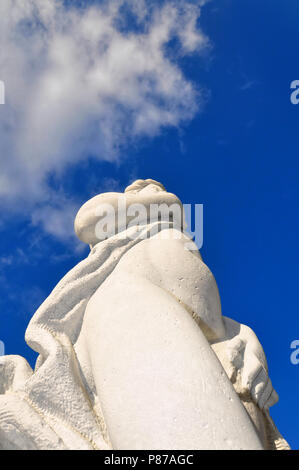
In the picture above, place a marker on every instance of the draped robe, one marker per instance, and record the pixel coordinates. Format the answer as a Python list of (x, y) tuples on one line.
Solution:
[(51, 408)]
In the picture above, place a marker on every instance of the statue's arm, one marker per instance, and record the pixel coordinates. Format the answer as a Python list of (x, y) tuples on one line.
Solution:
[(244, 360)]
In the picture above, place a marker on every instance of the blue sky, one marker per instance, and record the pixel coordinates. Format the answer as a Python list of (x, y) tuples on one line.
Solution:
[(224, 134)]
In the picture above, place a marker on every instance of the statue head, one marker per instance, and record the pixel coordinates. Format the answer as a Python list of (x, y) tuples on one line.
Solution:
[(148, 197)]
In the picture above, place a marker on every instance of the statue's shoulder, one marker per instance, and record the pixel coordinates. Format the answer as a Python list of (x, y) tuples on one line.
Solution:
[(173, 263), (169, 252)]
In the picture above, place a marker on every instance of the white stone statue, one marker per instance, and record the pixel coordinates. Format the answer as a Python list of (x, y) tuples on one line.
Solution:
[(134, 352)]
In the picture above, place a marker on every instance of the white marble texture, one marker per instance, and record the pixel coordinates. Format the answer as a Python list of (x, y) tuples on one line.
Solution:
[(134, 352)]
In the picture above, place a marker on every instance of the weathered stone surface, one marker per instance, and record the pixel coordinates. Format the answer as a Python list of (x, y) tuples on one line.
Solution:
[(134, 352)]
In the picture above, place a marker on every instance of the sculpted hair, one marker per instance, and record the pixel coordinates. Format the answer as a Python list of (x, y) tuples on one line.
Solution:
[(138, 185)]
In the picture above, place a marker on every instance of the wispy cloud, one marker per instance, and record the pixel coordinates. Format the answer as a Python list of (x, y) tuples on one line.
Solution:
[(86, 81), (248, 84)]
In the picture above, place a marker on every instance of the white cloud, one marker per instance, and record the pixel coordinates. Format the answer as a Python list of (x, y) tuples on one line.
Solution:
[(80, 82), (57, 214), (57, 221)]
